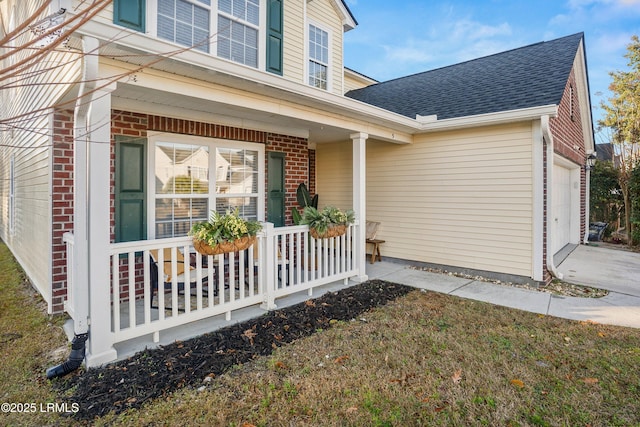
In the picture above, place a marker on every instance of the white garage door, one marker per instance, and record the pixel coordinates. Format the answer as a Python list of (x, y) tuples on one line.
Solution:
[(561, 208)]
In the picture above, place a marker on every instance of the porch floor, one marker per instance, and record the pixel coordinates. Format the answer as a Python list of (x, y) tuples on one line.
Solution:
[(180, 333)]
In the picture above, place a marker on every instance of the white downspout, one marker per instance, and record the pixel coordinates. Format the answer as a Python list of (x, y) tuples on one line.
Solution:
[(80, 274), (80, 181), (546, 134)]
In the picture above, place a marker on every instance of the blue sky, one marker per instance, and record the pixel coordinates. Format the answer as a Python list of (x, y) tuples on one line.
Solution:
[(401, 37)]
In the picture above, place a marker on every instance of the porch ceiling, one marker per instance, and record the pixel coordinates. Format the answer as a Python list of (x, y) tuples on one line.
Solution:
[(141, 99)]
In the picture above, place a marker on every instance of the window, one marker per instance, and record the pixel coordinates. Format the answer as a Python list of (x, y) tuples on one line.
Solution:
[(181, 198), (231, 25), (191, 176), (318, 57), (238, 22), (238, 186), (185, 22)]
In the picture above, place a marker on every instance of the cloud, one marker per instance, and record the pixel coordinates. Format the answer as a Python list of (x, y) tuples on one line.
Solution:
[(471, 30), (432, 45)]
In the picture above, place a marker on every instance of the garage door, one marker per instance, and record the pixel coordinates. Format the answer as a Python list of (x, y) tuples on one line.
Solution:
[(561, 211)]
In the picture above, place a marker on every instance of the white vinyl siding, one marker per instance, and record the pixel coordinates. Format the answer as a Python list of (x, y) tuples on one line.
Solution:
[(30, 143), (462, 198)]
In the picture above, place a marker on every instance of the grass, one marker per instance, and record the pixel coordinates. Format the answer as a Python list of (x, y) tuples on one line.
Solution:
[(30, 342), (426, 359)]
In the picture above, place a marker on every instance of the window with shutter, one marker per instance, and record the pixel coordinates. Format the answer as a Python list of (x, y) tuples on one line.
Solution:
[(274, 37), (130, 14)]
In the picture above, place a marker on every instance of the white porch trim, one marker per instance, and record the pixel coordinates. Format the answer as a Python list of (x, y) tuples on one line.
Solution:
[(90, 269), (359, 141), (537, 263)]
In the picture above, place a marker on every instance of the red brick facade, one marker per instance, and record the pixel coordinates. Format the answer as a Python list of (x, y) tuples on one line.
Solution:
[(568, 139), (61, 204), (137, 125)]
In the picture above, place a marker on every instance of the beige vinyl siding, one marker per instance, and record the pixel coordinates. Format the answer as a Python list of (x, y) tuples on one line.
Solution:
[(294, 41), (30, 143), (352, 81), (323, 13), (461, 198), (333, 175)]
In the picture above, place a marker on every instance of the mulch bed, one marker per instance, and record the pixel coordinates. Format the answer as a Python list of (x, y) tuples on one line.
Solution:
[(155, 373)]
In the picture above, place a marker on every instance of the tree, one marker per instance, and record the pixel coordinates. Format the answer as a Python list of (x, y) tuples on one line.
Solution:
[(622, 117), (634, 189), (605, 196)]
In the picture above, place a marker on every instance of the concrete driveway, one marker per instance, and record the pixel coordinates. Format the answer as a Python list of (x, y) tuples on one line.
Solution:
[(612, 269)]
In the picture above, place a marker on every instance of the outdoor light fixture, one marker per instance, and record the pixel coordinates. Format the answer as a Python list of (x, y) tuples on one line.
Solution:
[(591, 161), (45, 24)]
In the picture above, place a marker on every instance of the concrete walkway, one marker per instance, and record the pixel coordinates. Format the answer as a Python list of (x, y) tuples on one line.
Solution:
[(616, 271)]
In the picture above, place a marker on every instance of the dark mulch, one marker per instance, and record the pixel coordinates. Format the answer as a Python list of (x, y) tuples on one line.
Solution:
[(154, 373)]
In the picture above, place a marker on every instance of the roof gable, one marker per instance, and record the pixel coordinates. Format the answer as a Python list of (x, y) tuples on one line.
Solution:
[(530, 76)]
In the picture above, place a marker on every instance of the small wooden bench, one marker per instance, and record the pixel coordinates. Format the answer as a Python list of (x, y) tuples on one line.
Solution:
[(376, 249)]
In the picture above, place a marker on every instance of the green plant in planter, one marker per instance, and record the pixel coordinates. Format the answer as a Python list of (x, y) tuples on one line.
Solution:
[(224, 228), (321, 222), (304, 200)]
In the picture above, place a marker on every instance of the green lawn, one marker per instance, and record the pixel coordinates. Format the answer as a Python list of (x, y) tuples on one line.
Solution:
[(425, 359)]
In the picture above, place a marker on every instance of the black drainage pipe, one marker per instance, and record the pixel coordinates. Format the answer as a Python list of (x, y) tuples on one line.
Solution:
[(75, 358)]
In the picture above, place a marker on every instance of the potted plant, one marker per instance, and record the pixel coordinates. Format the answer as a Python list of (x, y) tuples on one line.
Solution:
[(329, 222), (224, 233), (304, 200)]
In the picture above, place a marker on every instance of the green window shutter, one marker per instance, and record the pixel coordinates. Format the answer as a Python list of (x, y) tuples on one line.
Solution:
[(129, 13), (276, 191), (274, 36), (131, 189)]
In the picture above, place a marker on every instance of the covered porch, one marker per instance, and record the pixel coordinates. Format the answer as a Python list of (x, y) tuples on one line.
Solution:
[(115, 291), (144, 303)]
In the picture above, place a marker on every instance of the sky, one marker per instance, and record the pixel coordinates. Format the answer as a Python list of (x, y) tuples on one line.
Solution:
[(396, 38)]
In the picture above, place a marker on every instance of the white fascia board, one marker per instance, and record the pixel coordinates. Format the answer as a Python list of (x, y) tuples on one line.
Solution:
[(297, 92), (510, 116), (347, 21), (582, 83)]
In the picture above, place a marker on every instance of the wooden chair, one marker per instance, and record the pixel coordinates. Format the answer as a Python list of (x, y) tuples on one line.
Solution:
[(372, 231), (167, 280), (283, 263)]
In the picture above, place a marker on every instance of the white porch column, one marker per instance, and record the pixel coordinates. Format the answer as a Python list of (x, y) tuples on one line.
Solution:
[(100, 348), (359, 141)]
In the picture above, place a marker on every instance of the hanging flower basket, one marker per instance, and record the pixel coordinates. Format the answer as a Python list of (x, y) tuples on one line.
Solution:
[(237, 245), (329, 222), (224, 233), (332, 231)]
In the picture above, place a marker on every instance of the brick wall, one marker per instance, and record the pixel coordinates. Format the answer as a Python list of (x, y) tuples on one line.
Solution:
[(137, 125), (569, 140), (61, 203), (296, 166)]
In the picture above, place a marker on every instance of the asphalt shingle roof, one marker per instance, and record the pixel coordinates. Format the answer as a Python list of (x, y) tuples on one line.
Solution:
[(529, 76)]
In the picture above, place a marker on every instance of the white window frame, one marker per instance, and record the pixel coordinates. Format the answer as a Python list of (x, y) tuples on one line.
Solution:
[(152, 29), (308, 60), (212, 144)]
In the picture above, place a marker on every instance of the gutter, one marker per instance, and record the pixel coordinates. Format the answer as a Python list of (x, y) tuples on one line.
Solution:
[(546, 134), (80, 284)]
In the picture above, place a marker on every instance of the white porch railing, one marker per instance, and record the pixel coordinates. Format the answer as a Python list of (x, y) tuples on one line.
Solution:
[(148, 299)]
